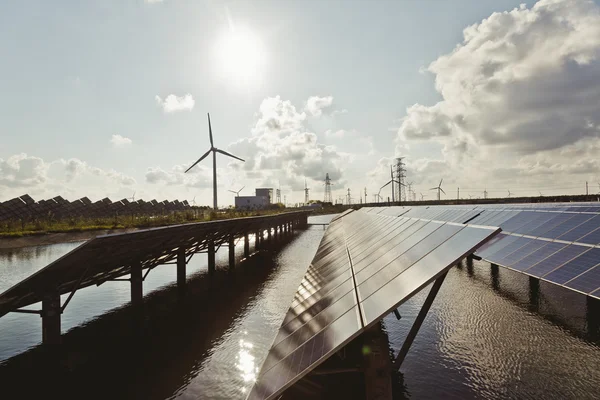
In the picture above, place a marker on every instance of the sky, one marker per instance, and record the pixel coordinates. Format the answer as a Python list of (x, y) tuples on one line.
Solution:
[(109, 98)]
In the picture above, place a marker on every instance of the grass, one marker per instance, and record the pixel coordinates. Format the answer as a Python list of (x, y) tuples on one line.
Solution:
[(15, 229)]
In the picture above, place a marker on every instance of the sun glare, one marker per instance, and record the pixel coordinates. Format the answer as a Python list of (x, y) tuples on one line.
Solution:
[(240, 57)]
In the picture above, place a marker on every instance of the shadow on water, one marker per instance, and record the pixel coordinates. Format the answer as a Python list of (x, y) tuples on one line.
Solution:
[(571, 311), (151, 352)]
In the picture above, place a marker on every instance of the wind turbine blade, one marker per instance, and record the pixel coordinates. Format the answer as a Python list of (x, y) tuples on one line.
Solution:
[(442, 190), (385, 185), (232, 191), (440, 185), (200, 159), (241, 189), (433, 188), (228, 154), (210, 132)]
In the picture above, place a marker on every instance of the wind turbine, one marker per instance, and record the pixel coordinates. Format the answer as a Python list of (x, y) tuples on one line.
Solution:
[(214, 152), (509, 193), (194, 201), (132, 197), (422, 196), (541, 195), (237, 194), (439, 189)]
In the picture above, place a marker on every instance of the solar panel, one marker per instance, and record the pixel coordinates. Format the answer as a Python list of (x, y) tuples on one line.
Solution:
[(587, 282), (557, 259), (366, 264), (538, 256), (575, 267)]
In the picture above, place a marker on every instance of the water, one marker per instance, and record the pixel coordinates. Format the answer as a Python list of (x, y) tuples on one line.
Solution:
[(483, 337)]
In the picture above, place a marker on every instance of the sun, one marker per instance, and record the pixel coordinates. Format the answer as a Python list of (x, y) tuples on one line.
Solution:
[(240, 57)]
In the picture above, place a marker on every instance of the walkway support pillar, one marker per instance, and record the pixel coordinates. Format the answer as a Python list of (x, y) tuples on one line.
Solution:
[(534, 291), (231, 251), (136, 280), (419, 320), (181, 273), (246, 245), (51, 318), (269, 236), (257, 239), (495, 276), (211, 256)]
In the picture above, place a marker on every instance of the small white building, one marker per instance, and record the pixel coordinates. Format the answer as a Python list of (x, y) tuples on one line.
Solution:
[(251, 202)]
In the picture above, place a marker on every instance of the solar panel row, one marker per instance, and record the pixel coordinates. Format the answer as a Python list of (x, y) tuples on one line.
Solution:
[(557, 243), (365, 266), (107, 257), (25, 208)]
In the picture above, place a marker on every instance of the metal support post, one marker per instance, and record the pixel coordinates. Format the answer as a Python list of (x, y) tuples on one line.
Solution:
[(257, 240), (181, 268), (269, 236), (470, 266), (419, 320), (231, 251), (593, 316), (136, 283), (276, 233), (246, 245), (211, 256), (495, 276), (534, 292), (51, 318)]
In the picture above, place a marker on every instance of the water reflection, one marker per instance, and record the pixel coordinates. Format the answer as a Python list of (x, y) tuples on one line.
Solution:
[(246, 363)]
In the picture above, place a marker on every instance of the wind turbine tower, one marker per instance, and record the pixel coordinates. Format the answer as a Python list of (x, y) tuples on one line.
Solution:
[(214, 152), (439, 189), (349, 198)]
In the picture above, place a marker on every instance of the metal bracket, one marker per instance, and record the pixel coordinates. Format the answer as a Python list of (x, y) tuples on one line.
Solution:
[(419, 320), (397, 314), (39, 312)]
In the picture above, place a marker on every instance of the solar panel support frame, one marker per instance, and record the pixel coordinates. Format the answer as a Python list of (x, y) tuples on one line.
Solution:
[(414, 330)]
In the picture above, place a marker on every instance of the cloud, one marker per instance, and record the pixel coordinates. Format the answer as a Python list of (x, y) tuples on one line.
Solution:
[(174, 103), (75, 178), (199, 177), (22, 171), (282, 149), (315, 105), (522, 87), (120, 141)]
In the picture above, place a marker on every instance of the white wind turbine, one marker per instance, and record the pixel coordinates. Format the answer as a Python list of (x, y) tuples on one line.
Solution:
[(439, 189), (237, 194), (214, 152)]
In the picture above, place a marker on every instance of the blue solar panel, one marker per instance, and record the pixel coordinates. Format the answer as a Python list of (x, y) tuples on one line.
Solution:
[(575, 220), (506, 250), (503, 240), (536, 221), (591, 238), (587, 282), (553, 223), (575, 267), (557, 259), (522, 252), (581, 230), (537, 256)]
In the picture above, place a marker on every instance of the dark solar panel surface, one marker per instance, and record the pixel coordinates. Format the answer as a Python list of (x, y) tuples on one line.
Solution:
[(367, 264)]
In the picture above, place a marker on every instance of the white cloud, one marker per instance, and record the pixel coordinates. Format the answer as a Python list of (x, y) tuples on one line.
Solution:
[(120, 141), (282, 149), (71, 178), (523, 88), (315, 105), (174, 103), (199, 177)]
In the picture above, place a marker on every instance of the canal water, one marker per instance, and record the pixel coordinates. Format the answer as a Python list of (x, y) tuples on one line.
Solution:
[(485, 337)]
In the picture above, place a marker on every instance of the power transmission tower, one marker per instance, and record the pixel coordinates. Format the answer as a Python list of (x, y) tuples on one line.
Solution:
[(349, 198), (306, 189), (327, 189), (400, 175), (366, 196), (485, 193)]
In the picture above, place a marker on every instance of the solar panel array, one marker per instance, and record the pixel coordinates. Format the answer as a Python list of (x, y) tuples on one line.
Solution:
[(26, 208), (556, 243), (366, 265), (111, 256)]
